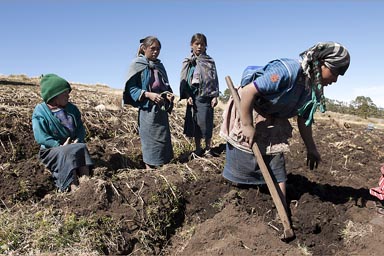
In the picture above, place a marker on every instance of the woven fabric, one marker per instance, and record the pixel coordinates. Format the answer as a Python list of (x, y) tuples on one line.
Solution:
[(242, 168), (61, 161), (379, 191), (155, 136)]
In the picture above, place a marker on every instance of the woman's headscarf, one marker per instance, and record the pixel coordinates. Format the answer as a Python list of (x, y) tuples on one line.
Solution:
[(333, 55)]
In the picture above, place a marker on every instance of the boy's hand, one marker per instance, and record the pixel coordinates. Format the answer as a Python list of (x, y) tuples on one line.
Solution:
[(68, 141)]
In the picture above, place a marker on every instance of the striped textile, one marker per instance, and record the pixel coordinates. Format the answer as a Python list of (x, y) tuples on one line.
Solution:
[(335, 56), (379, 191)]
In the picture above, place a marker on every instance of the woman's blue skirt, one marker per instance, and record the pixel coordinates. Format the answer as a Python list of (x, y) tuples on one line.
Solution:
[(199, 118), (155, 136), (242, 168)]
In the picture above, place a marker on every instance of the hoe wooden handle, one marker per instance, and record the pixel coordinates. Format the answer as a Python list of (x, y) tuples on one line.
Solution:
[(271, 184)]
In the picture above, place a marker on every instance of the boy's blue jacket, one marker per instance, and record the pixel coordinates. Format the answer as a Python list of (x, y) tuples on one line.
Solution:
[(49, 132)]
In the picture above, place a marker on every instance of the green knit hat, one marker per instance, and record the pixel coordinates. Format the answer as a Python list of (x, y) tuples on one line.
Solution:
[(52, 85)]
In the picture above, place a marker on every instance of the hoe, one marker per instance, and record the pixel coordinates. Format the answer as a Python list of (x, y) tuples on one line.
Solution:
[(271, 184)]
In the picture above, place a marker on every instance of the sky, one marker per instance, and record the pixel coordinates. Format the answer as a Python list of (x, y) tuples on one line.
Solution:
[(93, 42)]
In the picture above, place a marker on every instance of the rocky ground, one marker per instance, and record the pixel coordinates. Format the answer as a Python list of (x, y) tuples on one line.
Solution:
[(186, 207)]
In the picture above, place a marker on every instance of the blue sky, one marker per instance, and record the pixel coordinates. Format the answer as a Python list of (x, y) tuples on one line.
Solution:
[(95, 41)]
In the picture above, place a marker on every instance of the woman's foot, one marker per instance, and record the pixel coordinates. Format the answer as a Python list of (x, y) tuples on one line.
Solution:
[(73, 187), (198, 152), (75, 182), (150, 167), (208, 152)]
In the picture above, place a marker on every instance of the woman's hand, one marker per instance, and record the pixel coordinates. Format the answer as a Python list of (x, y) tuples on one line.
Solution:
[(214, 102), (248, 134), (313, 159), (313, 156), (190, 101), (248, 94)]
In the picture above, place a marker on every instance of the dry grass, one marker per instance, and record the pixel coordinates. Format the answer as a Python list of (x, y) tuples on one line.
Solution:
[(37, 229), (353, 231), (343, 120), (304, 250)]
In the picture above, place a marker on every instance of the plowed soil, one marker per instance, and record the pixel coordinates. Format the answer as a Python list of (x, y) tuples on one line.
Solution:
[(195, 210)]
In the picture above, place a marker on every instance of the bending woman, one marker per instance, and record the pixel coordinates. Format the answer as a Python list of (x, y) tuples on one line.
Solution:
[(271, 94)]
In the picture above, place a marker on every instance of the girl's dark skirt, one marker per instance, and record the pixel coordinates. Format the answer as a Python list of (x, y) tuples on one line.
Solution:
[(63, 160), (242, 168), (155, 136), (199, 118)]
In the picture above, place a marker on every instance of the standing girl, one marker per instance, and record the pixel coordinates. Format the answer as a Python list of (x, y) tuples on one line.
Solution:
[(148, 89), (199, 85)]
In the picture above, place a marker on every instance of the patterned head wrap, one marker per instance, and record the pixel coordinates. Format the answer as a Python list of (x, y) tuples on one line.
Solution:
[(332, 55)]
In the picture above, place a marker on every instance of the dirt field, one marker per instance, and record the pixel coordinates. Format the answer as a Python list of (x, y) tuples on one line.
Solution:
[(186, 207)]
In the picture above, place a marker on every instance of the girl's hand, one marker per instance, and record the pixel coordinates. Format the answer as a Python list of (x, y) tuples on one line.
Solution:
[(214, 102), (190, 101), (155, 97)]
